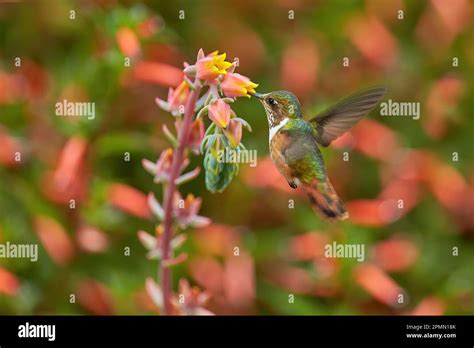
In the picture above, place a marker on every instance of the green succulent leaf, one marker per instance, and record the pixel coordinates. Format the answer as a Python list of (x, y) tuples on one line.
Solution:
[(218, 175)]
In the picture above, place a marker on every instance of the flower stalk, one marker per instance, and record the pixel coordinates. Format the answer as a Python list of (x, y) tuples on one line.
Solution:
[(169, 195), (190, 107)]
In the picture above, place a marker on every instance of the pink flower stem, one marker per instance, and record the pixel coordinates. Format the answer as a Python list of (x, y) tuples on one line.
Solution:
[(214, 91), (178, 157)]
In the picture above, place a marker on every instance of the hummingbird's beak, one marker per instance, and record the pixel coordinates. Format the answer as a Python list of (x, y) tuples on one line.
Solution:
[(257, 95)]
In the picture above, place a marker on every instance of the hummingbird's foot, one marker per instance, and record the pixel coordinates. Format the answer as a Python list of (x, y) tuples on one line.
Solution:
[(292, 184)]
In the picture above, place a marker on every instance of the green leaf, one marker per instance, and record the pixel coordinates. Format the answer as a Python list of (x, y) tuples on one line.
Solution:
[(218, 175)]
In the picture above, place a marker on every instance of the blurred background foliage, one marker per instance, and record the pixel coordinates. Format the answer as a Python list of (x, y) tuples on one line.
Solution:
[(121, 55)]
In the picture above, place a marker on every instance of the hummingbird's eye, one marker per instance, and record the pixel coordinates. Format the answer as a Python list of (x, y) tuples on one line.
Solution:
[(272, 102)]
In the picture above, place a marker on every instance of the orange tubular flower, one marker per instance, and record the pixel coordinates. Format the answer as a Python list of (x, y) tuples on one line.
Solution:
[(212, 66), (219, 113), (236, 85)]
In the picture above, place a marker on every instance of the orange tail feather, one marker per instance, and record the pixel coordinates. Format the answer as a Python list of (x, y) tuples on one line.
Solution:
[(326, 202)]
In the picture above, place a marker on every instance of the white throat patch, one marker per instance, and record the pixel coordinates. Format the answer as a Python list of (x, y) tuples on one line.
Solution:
[(275, 129)]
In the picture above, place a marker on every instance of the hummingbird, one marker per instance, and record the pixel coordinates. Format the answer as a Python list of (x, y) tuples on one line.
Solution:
[(294, 142)]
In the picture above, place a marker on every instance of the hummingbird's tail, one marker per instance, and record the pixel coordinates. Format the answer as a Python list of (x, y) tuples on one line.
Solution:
[(326, 202)]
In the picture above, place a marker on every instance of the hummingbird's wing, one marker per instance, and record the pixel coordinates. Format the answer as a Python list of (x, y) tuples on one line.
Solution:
[(338, 119)]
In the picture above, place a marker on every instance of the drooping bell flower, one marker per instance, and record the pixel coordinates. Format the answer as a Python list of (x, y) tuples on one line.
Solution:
[(163, 165), (233, 132), (196, 135), (236, 85), (176, 99), (219, 113)]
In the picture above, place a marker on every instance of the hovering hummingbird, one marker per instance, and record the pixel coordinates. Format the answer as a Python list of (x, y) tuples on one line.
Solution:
[(294, 142)]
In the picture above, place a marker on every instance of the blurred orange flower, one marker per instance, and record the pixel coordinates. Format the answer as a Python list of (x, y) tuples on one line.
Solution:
[(294, 279), (94, 297), (128, 42), (91, 239), (216, 239), (442, 21), (9, 284), (10, 87), (35, 81), (149, 26), (375, 139), (395, 254), (209, 274), (308, 246), (130, 200), (266, 175), (404, 194), (239, 280), (441, 104), (55, 240), (70, 162), (68, 178), (300, 66), (447, 185), (159, 73), (372, 212), (9, 146), (378, 284), (374, 40), (429, 306), (386, 10)]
